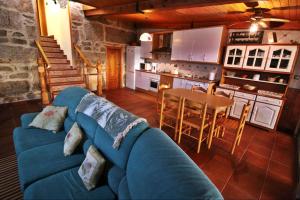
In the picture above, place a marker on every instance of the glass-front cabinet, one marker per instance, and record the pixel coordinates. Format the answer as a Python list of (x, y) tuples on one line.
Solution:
[(235, 56), (281, 58), (256, 57)]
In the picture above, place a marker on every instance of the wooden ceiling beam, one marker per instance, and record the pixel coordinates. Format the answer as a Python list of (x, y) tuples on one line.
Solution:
[(154, 5), (293, 25)]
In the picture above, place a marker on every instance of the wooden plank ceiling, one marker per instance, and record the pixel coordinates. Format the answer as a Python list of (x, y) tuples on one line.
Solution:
[(178, 14)]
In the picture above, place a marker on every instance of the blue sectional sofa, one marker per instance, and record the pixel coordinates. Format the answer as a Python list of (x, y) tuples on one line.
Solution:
[(148, 164)]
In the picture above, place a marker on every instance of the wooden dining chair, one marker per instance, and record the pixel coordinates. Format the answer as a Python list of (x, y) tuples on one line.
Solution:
[(223, 115), (196, 88), (197, 120), (241, 126), (161, 88), (170, 112)]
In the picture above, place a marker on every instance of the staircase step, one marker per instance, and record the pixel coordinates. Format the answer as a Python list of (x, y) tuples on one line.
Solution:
[(59, 61), (52, 50), (61, 79), (59, 66), (47, 36), (55, 55), (49, 44), (47, 39), (62, 72), (62, 85)]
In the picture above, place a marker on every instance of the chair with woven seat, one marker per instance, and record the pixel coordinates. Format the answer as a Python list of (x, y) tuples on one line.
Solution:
[(223, 115), (161, 88), (241, 126), (196, 88), (170, 112), (193, 115)]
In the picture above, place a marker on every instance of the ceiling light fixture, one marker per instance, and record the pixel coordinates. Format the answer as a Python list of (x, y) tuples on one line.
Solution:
[(146, 37), (253, 27)]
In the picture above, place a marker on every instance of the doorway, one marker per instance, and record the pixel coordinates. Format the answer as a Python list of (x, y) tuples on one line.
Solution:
[(113, 68)]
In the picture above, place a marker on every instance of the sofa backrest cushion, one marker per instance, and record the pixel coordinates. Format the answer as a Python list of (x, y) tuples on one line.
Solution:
[(88, 124), (119, 156), (68, 123), (158, 169), (70, 97)]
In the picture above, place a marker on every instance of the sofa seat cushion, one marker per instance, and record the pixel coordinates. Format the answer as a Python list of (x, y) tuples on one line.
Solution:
[(158, 169), (27, 118), (44, 161), (123, 189), (28, 138), (70, 187), (115, 175)]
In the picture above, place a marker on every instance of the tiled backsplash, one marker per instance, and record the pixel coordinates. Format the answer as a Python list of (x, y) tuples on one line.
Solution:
[(186, 68)]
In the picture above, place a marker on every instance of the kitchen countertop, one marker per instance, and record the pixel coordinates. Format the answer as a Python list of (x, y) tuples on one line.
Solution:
[(177, 76), (253, 92)]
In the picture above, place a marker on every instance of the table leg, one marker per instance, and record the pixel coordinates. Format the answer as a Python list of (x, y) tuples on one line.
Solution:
[(212, 128)]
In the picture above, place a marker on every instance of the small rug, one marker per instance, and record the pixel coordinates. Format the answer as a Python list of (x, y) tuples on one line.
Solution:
[(9, 180)]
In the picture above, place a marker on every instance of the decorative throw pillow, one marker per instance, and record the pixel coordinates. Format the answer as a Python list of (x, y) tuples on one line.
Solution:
[(51, 118), (72, 139), (92, 168)]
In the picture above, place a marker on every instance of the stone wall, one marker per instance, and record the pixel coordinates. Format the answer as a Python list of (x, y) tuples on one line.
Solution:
[(92, 35), (18, 67)]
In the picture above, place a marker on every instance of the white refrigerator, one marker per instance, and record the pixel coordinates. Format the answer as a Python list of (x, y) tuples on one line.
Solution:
[(133, 60)]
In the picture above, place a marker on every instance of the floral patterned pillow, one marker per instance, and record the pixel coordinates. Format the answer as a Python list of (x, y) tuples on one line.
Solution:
[(72, 139), (51, 118), (92, 168)]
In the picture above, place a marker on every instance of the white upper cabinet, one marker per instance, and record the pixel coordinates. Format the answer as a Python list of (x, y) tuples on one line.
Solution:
[(197, 45), (207, 47), (146, 49), (256, 57), (281, 58), (181, 45), (235, 56)]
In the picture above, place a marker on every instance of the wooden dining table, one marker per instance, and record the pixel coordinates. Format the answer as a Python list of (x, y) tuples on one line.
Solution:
[(215, 103)]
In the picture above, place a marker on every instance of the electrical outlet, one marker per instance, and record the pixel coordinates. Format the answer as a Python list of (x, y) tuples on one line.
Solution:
[(297, 77)]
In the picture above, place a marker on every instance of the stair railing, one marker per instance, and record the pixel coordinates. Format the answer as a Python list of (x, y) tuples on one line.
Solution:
[(43, 64), (86, 65)]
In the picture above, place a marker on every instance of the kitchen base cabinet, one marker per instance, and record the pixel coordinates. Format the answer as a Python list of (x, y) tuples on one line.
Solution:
[(177, 83), (237, 107), (142, 80), (265, 115)]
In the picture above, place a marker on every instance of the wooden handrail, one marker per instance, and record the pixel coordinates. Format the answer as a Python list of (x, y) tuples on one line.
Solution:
[(83, 57), (43, 53), (87, 64)]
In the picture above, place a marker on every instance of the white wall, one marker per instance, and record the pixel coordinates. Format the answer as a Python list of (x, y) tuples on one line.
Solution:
[(58, 24)]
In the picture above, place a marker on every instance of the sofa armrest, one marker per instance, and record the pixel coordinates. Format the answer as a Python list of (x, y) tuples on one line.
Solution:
[(27, 118)]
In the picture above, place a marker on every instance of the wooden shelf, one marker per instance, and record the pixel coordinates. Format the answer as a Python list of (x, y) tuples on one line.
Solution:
[(249, 79), (255, 70)]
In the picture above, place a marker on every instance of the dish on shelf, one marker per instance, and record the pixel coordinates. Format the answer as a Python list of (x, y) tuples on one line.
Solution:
[(249, 87), (256, 77), (269, 93), (228, 86), (230, 73), (272, 79)]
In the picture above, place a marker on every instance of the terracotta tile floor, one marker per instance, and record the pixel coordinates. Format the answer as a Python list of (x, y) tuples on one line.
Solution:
[(263, 166)]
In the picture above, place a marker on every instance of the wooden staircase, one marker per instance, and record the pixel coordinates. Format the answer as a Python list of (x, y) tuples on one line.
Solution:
[(55, 71)]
